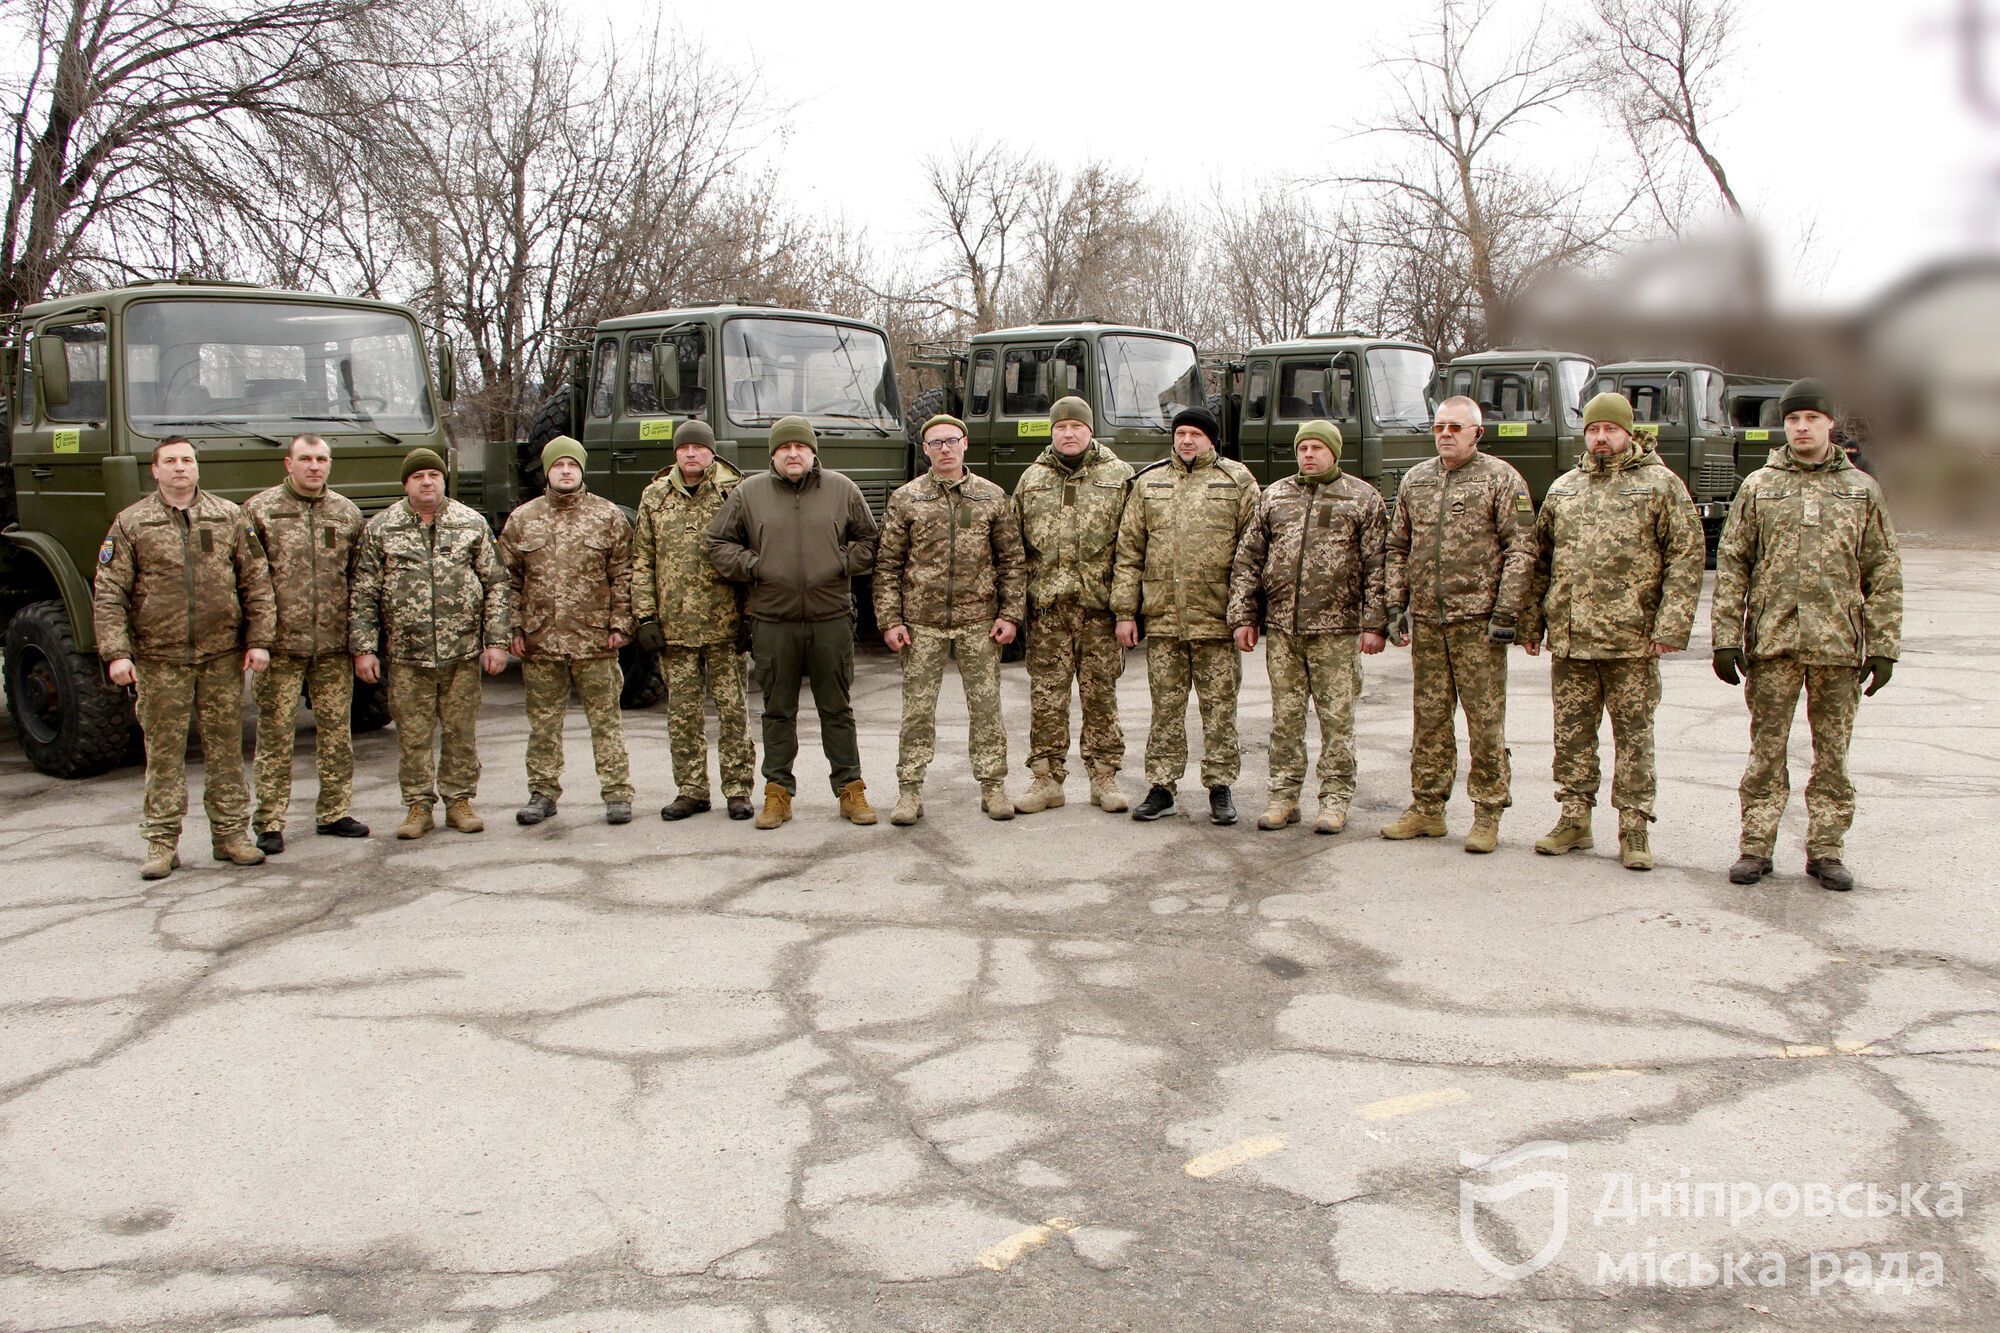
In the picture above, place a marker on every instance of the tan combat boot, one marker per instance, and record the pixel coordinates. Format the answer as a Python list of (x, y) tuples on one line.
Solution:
[(854, 807), (1485, 835), (1571, 833), (1635, 850), (1104, 793), (1281, 811), (161, 860), (1044, 793), (416, 822), (909, 807), (460, 815), (993, 799), (1332, 818), (777, 806), (1415, 823), (238, 850)]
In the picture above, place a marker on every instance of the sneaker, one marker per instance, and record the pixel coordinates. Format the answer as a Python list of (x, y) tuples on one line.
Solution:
[(1281, 811), (1749, 869), (538, 808), (1221, 806), (1414, 823), (1159, 802), (684, 805), (1830, 873), (271, 842), (347, 826), (617, 812)]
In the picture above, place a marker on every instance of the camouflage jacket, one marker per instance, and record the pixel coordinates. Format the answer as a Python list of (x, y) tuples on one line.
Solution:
[(569, 564), (672, 580), (1311, 560), (1808, 566), (950, 556), (310, 545), (1618, 559), (179, 585), (1069, 526), (1460, 542), (1176, 543), (436, 591)]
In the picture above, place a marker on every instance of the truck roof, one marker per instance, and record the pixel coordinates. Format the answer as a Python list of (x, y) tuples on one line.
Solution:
[(1344, 340), (1654, 367), (1057, 328), (1507, 355), (211, 289), (646, 319)]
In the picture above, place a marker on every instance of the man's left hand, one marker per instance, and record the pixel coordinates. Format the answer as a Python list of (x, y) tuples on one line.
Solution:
[(618, 640), (256, 659), (1660, 649), (1371, 642), (1003, 632)]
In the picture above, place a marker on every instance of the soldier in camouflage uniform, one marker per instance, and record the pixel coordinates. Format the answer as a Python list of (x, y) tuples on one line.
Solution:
[(309, 534), (687, 615), (568, 555), (182, 609), (1309, 572), (430, 594), (1618, 557), (1069, 502), (1808, 598), (1460, 559), (1176, 542), (950, 581)]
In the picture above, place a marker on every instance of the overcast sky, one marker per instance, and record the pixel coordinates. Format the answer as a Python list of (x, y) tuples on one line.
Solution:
[(1848, 119)]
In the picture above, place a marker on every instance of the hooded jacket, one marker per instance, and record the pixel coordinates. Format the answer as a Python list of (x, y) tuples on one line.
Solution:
[(1311, 560), (672, 579), (1069, 525), (569, 561), (1176, 544)]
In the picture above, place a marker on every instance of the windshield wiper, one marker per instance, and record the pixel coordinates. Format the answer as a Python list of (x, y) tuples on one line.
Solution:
[(218, 424), (869, 422), (368, 422)]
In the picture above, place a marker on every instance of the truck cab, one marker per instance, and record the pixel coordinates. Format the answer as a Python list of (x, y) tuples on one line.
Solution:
[(1376, 390), (1752, 405), (1532, 400), (1682, 404)]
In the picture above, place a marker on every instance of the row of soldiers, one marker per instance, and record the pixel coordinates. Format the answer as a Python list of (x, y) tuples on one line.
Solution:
[(1088, 557)]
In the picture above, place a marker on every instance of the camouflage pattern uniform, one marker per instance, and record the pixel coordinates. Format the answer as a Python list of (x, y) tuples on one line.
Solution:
[(1618, 560), (182, 593), (1460, 556), (949, 564), (674, 583), (1176, 543), (1809, 584), (569, 566), (310, 545), (1309, 574), (437, 593), (1069, 529)]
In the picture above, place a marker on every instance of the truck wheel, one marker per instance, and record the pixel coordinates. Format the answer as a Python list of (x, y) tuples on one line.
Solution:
[(644, 685), (550, 421), (922, 408), (371, 708), (73, 722)]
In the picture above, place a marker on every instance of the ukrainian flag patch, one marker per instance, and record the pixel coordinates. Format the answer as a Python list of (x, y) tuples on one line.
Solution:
[(1522, 503), (104, 552)]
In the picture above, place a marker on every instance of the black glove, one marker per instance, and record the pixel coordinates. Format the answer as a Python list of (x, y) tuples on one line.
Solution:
[(650, 636), (1878, 670), (1728, 663), (1399, 626), (1500, 630)]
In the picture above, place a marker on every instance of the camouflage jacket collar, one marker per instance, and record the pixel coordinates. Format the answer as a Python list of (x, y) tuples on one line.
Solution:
[(1054, 458), (1637, 454), (567, 500), (300, 495), (942, 486), (717, 473), (1784, 459), (1204, 459)]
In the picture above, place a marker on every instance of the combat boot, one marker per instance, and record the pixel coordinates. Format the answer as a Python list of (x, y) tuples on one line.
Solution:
[(1104, 793), (1830, 873), (1281, 811), (993, 799), (460, 815), (739, 807), (1044, 793), (1485, 834), (777, 806), (237, 850), (1415, 823), (683, 807), (161, 860), (416, 822), (1332, 817), (538, 808), (1571, 833), (1635, 850), (1749, 868), (854, 807), (909, 807), (617, 812)]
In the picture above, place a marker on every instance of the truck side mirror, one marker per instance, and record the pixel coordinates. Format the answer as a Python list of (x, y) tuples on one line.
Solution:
[(447, 364), (667, 372), (52, 369)]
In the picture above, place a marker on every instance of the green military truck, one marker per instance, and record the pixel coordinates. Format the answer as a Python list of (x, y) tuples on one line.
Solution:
[(1002, 384), (1682, 404), (1751, 402), (1532, 400), (93, 382), (1377, 390)]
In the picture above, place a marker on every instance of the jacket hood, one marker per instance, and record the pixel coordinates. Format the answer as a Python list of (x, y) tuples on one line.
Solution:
[(719, 471), (1641, 453), (1095, 454), (1785, 460)]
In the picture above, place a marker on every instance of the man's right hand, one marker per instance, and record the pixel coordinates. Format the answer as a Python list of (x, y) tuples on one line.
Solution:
[(896, 637), (650, 636), (1128, 634), (121, 671), (368, 668), (1728, 664), (1246, 638)]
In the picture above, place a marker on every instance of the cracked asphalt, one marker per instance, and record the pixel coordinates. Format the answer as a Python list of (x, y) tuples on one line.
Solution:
[(1065, 1072)]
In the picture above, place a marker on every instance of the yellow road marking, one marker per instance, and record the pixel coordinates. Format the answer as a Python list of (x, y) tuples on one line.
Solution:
[(1001, 1256), (1391, 1107), (1803, 1052), (1993, 1043), (1236, 1154), (1592, 1075)]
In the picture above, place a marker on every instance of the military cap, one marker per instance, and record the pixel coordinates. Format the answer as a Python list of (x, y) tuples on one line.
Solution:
[(1324, 431), (1072, 408), (694, 431), (1615, 408), (942, 419), (421, 460), (1201, 419), (562, 446), (1807, 395), (794, 430)]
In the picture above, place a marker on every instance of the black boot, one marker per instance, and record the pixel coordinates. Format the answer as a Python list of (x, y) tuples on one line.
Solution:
[(1221, 805), (272, 841), (1830, 873), (1159, 801), (1749, 869)]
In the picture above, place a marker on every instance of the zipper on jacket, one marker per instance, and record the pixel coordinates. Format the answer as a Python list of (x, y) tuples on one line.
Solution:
[(187, 570), (1437, 537), (951, 558), (1299, 570)]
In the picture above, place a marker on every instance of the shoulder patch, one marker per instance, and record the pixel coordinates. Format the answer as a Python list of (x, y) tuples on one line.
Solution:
[(1522, 504), (105, 552)]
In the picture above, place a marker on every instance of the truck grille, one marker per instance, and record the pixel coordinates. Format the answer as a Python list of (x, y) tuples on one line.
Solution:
[(1717, 476), (877, 495)]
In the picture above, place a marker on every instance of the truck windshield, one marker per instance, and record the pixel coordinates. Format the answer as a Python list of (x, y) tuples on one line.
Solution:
[(272, 367), (1147, 380), (1398, 381), (831, 374)]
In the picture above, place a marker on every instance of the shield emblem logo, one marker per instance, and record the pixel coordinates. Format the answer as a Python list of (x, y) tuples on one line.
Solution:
[(1472, 1193)]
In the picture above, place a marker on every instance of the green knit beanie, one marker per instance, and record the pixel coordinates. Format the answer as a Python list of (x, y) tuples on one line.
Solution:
[(562, 446), (1324, 431), (1806, 395), (1072, 408), (794, 430), (692, 431), (943, 419), (421, 460), (1612, 407)]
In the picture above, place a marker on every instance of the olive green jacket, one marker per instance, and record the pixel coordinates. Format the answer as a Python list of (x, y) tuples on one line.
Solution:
[(181, 586), (1177, 542)]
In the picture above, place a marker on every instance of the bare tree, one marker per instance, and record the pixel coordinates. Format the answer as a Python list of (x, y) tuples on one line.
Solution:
[(1659, 62), (1283, 265), (979, 196)]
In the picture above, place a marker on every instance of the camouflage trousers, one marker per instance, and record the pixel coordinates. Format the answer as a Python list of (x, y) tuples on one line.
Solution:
[(208, 697), (1068, 643), (1833, 693), (438, 704), (1584, 690), (923, 675), (1316, 669), (1453, 667), (277, 688), (598, 682), (714, 669), (1213, 669)]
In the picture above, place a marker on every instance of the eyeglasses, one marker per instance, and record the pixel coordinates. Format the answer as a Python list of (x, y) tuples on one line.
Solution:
[(1449, 427), (945, 441)]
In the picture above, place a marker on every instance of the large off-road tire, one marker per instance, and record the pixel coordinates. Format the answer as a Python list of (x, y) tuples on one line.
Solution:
[(550, 420), (371, 707), (645, 685), (73, 722), (922, 408)]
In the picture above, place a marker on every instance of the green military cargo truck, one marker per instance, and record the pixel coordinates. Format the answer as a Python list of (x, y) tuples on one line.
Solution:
[(1002, 384), (1376, 390), (1532, 400), (1682, 404), (1752, 405), (93, 382)]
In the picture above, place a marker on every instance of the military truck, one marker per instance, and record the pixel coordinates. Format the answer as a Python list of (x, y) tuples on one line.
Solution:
[(1002, 384), (1532, 400), (93, 382), (1751, 402), (1682, 404)]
